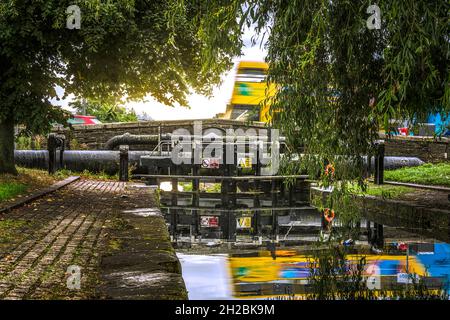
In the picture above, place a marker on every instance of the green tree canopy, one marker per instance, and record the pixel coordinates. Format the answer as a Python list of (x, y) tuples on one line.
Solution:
[(124, 48)]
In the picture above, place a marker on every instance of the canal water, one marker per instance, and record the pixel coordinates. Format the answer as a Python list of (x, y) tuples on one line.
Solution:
[(215, 270), (259, 274)]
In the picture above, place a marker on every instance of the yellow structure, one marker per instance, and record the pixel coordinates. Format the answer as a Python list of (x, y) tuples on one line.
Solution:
[(292, 267), (248, 101)]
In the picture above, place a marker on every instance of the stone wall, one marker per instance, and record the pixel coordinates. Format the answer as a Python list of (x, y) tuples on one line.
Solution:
[(93, 137), (417, 219), (427, 149)]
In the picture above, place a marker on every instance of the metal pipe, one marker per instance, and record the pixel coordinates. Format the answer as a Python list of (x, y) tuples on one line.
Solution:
[(108, 161), (94, 161), (131, 139)]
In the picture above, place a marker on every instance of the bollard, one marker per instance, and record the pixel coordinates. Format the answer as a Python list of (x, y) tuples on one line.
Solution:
[(54, 142), (51, 146), (123, 168), (379, 162)]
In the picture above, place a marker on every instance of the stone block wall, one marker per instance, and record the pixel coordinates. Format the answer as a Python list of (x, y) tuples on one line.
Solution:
[(427, 149), (93, 137)]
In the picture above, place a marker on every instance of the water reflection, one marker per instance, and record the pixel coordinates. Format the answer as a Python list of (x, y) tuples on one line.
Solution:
[(206, 276), (257, 274)]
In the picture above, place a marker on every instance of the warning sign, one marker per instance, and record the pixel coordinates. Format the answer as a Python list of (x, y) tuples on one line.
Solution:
[(211, 163), (244, 222), (209, 221), (245, 162)]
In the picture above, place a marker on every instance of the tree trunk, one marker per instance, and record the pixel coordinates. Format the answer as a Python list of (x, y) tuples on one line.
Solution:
[(7, 146)]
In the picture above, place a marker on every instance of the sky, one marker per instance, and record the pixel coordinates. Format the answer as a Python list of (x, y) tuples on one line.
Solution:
[(201, 107)]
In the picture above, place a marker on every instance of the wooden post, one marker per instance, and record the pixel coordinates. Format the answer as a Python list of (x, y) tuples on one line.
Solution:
[(369, 232), (369, 165), (225, 183), (291, 194), (282, 193), (195, 198), (233, 170), (123, 167), (379, 163), (274, 204), (231, 226), (51, 147), (256, 200), (174, 216), (379, 235)]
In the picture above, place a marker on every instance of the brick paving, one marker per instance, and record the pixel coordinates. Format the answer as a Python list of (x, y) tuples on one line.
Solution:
[(40, 240)]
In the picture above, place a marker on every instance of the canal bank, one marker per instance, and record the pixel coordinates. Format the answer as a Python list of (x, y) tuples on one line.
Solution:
[(140, 262), (426, 212)]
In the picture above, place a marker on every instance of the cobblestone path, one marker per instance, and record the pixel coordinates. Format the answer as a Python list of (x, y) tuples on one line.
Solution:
[(39, 241)]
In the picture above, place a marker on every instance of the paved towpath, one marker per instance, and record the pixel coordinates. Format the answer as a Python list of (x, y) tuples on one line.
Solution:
[(73, 226)]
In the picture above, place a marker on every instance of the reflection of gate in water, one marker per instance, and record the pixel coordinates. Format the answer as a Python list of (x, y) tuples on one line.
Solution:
[(232, 211), (243, 200)]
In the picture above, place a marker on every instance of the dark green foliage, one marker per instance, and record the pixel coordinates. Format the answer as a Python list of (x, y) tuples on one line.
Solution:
[(124, 48)]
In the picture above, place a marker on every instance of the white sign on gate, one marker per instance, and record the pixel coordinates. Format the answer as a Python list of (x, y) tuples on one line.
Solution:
[(211, 163)]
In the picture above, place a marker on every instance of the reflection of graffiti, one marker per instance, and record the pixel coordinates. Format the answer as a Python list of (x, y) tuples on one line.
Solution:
[(293, 270), (240, 272), (298, 270)]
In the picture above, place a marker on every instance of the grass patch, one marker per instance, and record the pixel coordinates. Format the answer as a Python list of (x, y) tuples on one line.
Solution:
[(428, 174), (102, 175), (384, 191), (11, 189), (27, 180)]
